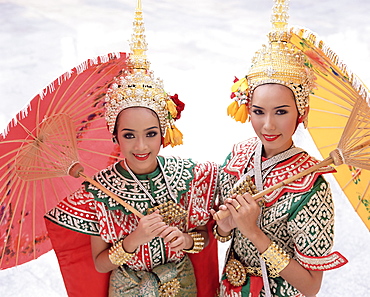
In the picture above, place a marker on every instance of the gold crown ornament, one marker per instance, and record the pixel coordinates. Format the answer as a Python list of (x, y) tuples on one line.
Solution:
[(137, 87), (278, 62)]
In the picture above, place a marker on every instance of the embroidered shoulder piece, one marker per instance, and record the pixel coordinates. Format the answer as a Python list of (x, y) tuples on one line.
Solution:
[(329, 262), (179, 173), (242, 158), (76, 212), (201, 195)]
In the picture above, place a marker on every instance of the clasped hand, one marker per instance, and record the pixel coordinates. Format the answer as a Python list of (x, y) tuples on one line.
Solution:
[(244, 214), (152, 225)]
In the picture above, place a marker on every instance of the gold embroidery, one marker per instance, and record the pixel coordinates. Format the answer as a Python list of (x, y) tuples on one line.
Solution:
[(172, 213)]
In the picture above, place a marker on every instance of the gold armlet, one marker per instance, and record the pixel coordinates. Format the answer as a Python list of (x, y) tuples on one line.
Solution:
[(198, 244), (276, 259), (117, 254), (219, 237)]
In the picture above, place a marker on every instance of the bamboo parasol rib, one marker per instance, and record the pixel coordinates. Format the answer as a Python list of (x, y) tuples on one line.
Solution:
[(353, 149), (79, 93), (53, 153)]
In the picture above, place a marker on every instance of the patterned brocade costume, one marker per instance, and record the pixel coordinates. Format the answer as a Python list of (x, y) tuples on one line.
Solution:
[(299, 217), (92, 212)]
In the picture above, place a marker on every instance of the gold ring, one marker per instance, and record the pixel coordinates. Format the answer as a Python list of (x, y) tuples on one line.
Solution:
[(238, 206)]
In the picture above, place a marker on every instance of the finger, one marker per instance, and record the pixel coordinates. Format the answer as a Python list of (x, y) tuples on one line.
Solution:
[(235, 203), (176, 246), (249, 200), (232, 209), (247, 197), (171, 237), (154, 217), (158, 226), (166, 231), (223, 207)]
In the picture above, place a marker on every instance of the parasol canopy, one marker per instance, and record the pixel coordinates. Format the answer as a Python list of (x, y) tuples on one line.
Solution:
[(26, 196), (338, 94)]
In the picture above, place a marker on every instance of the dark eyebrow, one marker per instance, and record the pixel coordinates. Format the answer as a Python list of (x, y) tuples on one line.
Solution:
[(277, 107), (256, 106), (132, 130), (282, 106), (154, 127)]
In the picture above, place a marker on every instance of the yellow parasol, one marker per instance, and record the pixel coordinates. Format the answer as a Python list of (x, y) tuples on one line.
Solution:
[(337, 94)]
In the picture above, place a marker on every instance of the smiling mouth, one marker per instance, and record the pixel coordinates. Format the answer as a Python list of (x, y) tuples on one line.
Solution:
[(271, 137), (141, 157)]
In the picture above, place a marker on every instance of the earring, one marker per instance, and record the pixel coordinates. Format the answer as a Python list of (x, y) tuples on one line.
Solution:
[(114, 139)]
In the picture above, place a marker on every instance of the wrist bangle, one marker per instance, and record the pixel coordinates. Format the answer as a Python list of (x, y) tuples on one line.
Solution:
[(198, 243), (276, 259), (117, 254), (219, 237)]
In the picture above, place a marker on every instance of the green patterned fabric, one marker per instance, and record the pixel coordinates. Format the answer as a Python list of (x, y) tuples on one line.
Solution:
[(299, 218), (126, 282)]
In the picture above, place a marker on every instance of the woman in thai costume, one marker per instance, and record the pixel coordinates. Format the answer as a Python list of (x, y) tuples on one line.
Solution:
[(281, 244), (145, 256)]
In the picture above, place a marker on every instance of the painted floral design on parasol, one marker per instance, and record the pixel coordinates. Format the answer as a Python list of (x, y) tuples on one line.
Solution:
[(71, 105)]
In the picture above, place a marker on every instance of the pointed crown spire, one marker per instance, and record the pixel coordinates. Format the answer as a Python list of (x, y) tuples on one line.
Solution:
[(138, 44), (277, 62), (137, 87)]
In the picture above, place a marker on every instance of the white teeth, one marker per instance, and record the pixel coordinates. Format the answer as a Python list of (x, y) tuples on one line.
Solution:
[(141, 156)]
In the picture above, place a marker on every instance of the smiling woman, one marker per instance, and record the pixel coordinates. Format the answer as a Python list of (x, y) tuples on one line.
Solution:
[(197, 47), (274, 117), (282, 243), (173, 196), (139, 141)]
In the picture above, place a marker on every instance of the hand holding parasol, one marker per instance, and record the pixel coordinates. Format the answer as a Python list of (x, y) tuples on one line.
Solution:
[(338, 120)]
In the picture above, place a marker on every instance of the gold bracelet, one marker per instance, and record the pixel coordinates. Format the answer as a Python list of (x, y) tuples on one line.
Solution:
[(276, 259), (198, 243), (117, 254), (219, 237)]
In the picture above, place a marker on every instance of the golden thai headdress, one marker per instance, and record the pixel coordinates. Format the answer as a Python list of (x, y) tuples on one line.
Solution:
[(278, 62), (137, 87)]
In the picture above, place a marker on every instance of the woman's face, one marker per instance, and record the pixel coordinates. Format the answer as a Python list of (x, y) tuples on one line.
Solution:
[(274, 117), (139, 138)]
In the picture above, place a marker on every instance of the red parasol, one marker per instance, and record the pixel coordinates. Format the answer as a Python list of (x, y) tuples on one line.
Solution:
[(25, 198)]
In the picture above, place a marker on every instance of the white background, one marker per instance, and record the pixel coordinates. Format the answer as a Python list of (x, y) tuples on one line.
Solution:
[(196, 47)]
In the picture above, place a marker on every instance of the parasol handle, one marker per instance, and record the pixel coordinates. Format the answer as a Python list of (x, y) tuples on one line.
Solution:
[(221, 214), (76, 170)]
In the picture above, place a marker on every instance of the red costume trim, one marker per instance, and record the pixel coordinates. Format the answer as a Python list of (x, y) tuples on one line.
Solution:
[(329, 262), (281, 171)]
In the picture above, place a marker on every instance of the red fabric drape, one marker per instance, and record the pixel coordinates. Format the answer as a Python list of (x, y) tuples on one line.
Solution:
[(73, 251), (206, 266)]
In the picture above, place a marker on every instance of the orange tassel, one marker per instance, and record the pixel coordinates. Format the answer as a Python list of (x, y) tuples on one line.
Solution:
[(173, 137), (177, 136), (168, 137), (242, 114), (232, 109)]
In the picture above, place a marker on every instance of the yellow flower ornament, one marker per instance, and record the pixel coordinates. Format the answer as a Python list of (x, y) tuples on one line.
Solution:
[(173, 136), (238, 109)]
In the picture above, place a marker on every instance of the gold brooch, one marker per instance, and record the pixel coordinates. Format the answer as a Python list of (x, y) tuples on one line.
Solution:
[(235, 273)]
